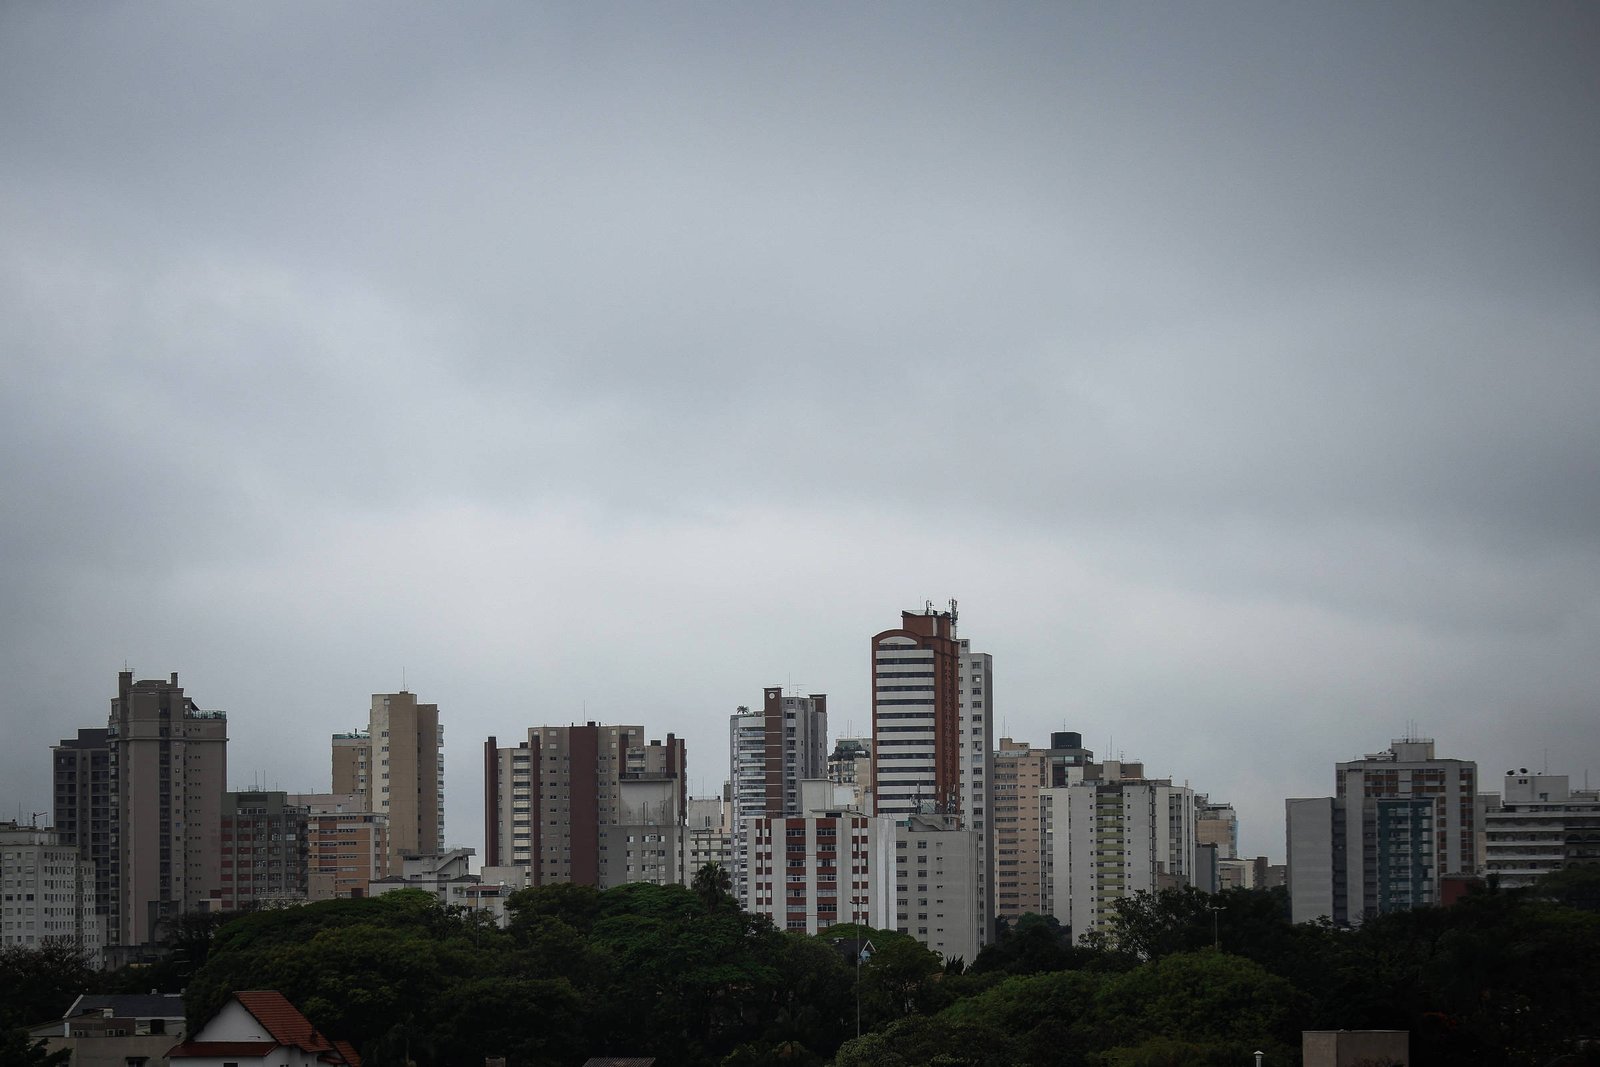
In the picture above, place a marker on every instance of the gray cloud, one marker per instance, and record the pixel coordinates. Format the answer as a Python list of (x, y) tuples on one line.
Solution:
[(1232, 366)]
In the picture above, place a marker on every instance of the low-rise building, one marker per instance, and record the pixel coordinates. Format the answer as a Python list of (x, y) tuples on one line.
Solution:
[(116, 1029)]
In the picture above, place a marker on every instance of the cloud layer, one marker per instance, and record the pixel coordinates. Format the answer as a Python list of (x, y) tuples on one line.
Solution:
[(1234, 368)]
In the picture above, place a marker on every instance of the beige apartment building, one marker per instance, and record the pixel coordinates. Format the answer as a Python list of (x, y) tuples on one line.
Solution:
[(397, 765), (1020, 772), (169, 768), (347, 846)]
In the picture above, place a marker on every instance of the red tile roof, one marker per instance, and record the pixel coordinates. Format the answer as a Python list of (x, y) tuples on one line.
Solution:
[(287, 1026), (255, 1049), (283, 1020)]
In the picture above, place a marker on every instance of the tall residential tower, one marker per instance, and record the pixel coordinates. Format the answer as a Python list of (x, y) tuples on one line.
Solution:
[(933, 736), (142, 801), (397, 765), (770, 752)]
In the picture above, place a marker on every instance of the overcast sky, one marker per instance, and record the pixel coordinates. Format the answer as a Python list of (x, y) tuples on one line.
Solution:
[(1234, 365)]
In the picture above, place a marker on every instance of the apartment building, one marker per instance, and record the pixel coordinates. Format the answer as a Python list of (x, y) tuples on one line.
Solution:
[(925, 879), (1541, 825), (1399, 822), (85, 814), (46, 891), (770, 752), (347, 846), (932, 734), (556, 804), (710, 833), (265, 850), (808, 871), (397, 764), (168, 763), (1110, 834)]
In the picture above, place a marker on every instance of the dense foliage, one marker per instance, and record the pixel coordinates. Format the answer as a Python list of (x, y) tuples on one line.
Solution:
[(680, 973)]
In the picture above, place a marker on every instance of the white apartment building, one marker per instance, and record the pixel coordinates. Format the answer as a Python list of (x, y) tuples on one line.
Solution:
[(926, 879), (933, 736), (809, 872), (1398, 822), (46, 892), (1110, 834), (1541, 825)]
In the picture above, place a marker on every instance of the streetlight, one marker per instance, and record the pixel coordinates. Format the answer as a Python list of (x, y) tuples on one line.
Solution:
[(1216, 943), (855, 917)]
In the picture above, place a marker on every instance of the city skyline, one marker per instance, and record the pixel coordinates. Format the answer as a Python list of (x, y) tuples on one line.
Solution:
[(469, 817), (1231, 367)]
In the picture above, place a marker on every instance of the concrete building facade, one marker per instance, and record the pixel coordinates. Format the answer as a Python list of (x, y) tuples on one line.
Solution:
[(1399, 822), (1541, 825), (397, 764), (1020, 772), (46, 892), (850, 763), (710, 833), (933, 736), (85, 814), (924, 880), (809, 872), (556, 799), (169, 766), (1111, 834), (265, 850), (770, 752), (347, 846)]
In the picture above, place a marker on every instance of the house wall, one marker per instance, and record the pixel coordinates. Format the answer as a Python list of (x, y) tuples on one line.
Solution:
[(116, 1051)]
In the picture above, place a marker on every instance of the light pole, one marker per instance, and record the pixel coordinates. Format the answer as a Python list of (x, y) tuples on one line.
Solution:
[(1216, 942), (855, 917)]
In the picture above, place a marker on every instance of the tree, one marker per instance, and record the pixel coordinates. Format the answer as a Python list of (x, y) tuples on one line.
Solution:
[(40, 983), (895, 980), (1052, 1016), (17, 1049), (923, 1041), (1576, 887), (1223, 1006), (714, 885)]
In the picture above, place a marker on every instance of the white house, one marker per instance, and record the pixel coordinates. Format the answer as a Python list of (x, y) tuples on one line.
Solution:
[(261, 1029)]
